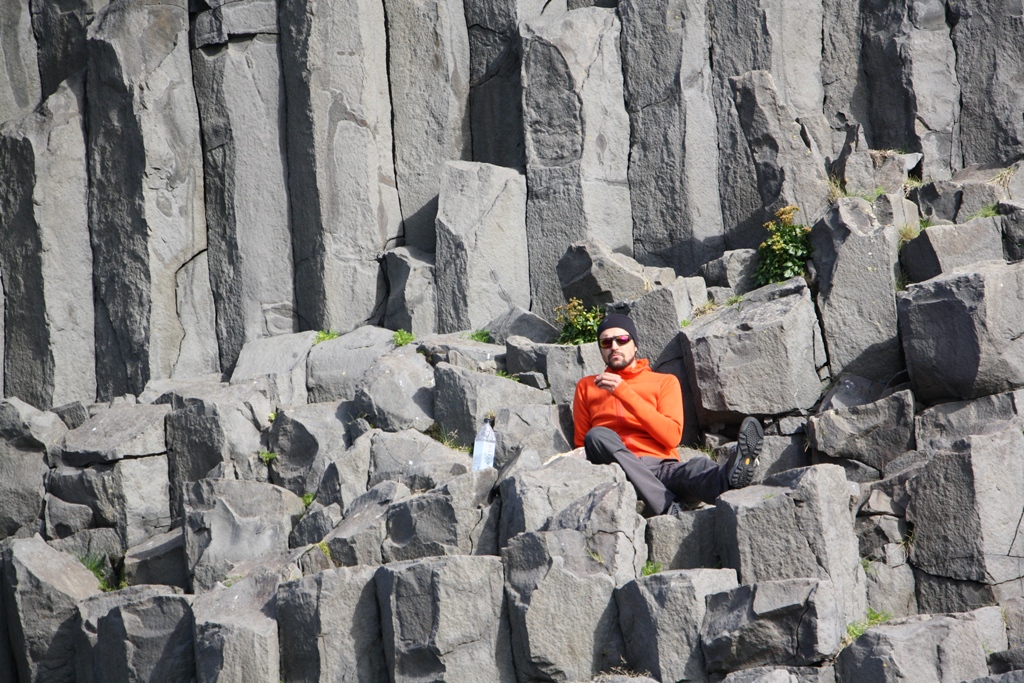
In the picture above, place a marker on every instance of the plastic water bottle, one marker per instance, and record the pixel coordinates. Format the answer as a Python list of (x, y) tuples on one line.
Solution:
[(483, 447)]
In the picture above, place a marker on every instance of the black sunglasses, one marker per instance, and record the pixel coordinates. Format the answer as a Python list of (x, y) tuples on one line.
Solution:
[(621, 340)]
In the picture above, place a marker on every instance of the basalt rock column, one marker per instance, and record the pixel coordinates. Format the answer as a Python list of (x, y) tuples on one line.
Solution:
[(428, 66), (45, 254), (577, 143), (673, 161), (241, 105), (146, 210), (19, 73), (340, 169)]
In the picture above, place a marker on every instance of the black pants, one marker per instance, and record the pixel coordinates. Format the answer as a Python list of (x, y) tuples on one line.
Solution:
[(658, 482)]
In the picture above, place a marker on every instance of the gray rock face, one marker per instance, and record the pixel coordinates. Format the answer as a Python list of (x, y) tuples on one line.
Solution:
[(788, 166), (160, 559), (890, 583), (340, 606), (562, 365), (517, 322), (345, 478), (939, 648), (412, 303), (983, 525), (282, 360), (142, 232), (340, 165), (545, 573), (142, 631), (590, 271), (229, 521), (856, 260), (793, 621), (42, 589), (911, 68), (336, 366), (938, 428), (428, 69), (241, 105), (482, 264), (874, 434), (661, 616), (236, 638), (673, 164), (398, 392), (659, 314), (774, 332), (961, 333), (19, 78), (736, 269), (49, 347), (305, 441), (126, 431), (987, 72), (941, 248), (228, 19), (577, 143), (683, 541), (464, 398), (413, 459), (445, 616), (798, 527), (357, 540), (198, 352), (547, 430), (23, 468)]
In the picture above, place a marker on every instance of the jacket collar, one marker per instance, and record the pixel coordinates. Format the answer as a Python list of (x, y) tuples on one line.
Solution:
[(642, 365)]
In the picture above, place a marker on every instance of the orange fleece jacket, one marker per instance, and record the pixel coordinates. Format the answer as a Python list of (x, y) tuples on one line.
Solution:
[(646, 410)]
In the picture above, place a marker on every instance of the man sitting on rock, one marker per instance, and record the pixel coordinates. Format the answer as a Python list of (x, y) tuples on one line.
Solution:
[(633, 416)]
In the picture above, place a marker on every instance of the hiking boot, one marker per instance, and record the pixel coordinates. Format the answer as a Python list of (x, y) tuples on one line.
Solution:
[(743, 462)]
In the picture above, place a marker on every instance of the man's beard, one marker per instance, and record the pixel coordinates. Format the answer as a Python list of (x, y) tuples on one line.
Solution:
[(621, 362)]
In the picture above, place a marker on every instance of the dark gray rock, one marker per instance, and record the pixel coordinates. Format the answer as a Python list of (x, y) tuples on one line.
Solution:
[(397, 392), (783, 674), (962, 334), (577, 143), (547, 430), (240, 94), (673, 165), (102, 546), (345, 477), (145, 233), (340, 606), (792, 621), (445, 615), (545, 572), (592, 272), (659, 314), (736, 269), (357, 540), (73, 414), (62, 519), (127, 431), (49, 345), (775, 331), (428, 70), (25, 434), (562, 365), (482, 264), (344, 205), (939, 200), (143, 631), (318, 521), (798, 525), (875, 433), (464, 398), (938, 594), (455, 519), (683, 541), (412, 300), (1012, 214), (941, 248), (336, 367), (159, 559), (281, 360), (517, 322), (236, 630), (228, 522), (661, 615), (42, 589), (984, 524), (414, 459), (896, 209), (20, 81), (891, 586), (305, 440), (928, 648), (855, 259)]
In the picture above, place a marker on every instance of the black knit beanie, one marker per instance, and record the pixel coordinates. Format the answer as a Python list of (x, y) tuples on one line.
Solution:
[(617, 320)]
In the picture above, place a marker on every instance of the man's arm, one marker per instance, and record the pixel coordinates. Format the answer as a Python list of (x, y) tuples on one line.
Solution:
[(663, 420), (580, 415)]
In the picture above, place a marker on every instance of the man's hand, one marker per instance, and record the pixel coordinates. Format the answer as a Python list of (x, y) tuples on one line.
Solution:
[(609, 381)]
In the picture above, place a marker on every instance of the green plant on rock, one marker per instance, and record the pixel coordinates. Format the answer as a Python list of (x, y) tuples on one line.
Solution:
[(482, 336), (856, 629), (650, 568), (786, 250), (402, 337), (307, 499), (446, 438), (579, 324), (907, 232), (95, 564), (325, 335), (987, 211), (267, 456), (733, 300)]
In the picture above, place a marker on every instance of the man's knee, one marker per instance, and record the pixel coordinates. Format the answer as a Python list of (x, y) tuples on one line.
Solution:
[(599, 444)]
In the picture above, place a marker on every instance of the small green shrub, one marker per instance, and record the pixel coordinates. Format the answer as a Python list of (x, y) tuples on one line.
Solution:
[(856, 629), (402, 337), (267, 456), (307, 499), (787, 248), (733, 300), (579, 324), (325, 549), (987, 211), (272, 416), (325, 335), (504, 373), (925, 222), (482, 336), (650, 568), (685, 322)]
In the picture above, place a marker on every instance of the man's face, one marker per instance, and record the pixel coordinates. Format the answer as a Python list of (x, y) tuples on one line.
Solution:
[(618, 357)]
